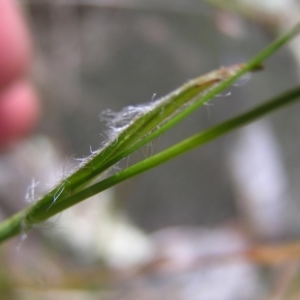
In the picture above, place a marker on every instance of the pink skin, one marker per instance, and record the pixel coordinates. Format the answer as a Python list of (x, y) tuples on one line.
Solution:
[(19, 106)]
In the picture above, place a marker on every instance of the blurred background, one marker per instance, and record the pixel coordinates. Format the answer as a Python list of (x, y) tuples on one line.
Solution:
[(159, 235)]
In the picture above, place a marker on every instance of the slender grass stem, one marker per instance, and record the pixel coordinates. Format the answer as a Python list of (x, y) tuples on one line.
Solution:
[(42, 211), (78, 186)]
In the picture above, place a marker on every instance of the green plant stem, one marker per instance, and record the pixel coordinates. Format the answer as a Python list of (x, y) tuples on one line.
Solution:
[(41, 211)]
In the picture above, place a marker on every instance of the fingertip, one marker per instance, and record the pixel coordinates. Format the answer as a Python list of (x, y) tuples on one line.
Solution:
[(19, 112), (15, 41)]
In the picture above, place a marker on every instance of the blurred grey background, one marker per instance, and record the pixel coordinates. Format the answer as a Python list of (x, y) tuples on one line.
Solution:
[(95, 55), (211, 204)]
